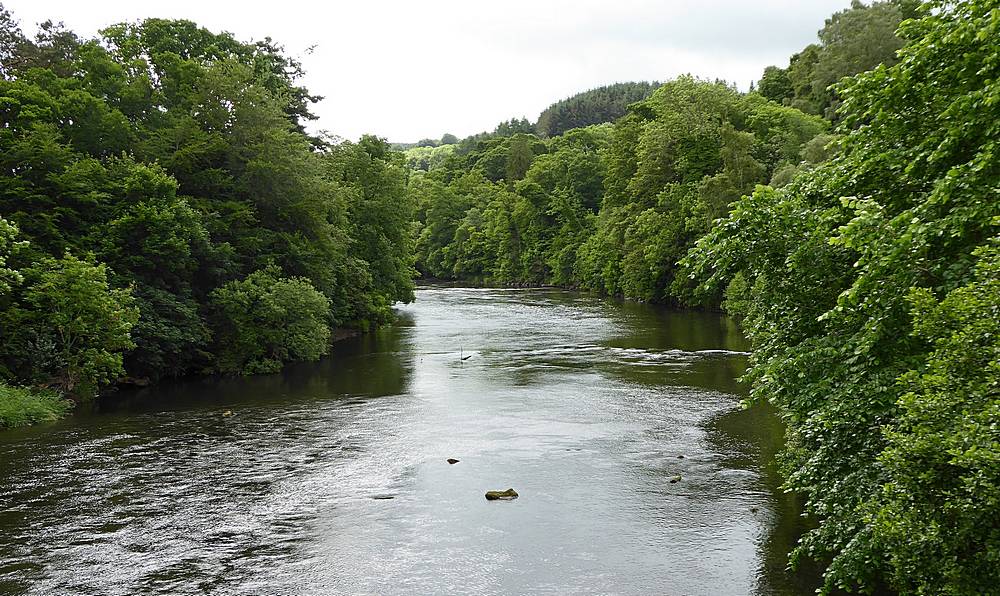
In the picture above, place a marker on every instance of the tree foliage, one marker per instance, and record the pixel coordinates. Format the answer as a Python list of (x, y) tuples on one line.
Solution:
[(149, 167), (65, 327), (607, 207), (853, 40), (263, 321), (596, 106), (870, 299)]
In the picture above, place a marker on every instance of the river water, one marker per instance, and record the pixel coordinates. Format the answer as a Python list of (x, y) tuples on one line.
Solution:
[(332, 478)]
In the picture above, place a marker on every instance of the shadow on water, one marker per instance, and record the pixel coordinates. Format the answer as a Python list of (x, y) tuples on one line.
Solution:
[(371, 365), (754, 436)]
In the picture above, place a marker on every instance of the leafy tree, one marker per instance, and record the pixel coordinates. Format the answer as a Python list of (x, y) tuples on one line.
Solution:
[(11, 41), (66, 328), (862, 278), (265, 320), (936, 516), (373, 185), (177, 157), (853, 40), (776, 85)]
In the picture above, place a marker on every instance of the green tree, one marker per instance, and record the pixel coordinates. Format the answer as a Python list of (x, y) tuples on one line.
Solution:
[(837, 264), (66, 328), (265, 320), (855, 40), (936, 516), (776, 85)]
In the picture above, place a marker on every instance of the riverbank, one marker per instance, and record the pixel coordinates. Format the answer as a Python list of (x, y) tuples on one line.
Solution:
[(26, 406)]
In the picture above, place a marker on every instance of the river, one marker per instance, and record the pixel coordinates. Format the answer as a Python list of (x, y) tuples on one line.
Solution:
[(331, 478)]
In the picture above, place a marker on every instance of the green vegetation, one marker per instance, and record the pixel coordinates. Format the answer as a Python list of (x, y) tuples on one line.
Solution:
[(606, 207), (861, 251), (164, 212), (869, 289), (853, 40), (596, 106), (265, 320), (21, 406)]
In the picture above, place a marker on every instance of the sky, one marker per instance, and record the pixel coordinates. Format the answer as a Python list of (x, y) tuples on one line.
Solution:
[(408, 69)]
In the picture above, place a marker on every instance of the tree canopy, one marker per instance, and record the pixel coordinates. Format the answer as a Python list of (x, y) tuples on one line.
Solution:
[(150, 171)]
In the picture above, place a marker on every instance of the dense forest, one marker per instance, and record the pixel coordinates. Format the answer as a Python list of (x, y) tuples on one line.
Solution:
[(596, 106), (163, 211), (847, 211)]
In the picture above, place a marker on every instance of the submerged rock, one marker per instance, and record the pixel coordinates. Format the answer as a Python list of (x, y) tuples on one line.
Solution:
[(452, 460), (501, 495)]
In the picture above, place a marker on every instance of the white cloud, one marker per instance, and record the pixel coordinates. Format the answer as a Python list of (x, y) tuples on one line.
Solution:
[(407, 70)]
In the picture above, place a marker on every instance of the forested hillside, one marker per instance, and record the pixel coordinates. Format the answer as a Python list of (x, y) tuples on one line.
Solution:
[(162, 212), (596, 106), (850, 223)]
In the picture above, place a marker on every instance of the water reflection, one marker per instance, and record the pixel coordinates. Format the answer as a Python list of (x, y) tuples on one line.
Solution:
[(331, 477)]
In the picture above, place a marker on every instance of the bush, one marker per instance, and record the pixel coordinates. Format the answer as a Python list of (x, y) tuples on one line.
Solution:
[(66, 328), (264, 321)]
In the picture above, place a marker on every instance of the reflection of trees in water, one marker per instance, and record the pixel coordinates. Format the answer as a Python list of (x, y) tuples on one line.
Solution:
[(754, 436), (372, 365), (657, 326)]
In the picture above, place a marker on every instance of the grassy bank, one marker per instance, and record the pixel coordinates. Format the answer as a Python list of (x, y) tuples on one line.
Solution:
[(21, 406)]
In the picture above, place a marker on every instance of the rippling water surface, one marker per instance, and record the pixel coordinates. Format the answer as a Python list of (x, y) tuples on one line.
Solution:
[(331, 477)]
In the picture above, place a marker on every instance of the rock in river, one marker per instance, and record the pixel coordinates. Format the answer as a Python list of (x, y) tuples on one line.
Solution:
[(501, 495)]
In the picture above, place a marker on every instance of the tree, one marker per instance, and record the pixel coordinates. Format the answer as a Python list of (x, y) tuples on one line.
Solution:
[(776, 85), (66, 328), (265, 320), (863, 280), (177, 157), (936, 516), (12, 40), (852, 40), (855, 40)]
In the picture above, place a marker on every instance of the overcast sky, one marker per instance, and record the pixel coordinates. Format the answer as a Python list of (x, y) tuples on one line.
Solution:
[(409, 69)]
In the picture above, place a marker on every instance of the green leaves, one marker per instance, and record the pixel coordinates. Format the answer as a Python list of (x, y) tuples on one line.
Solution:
[(66, 327), (265, 320), (874, 328), (936, 515), (176, 157)]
